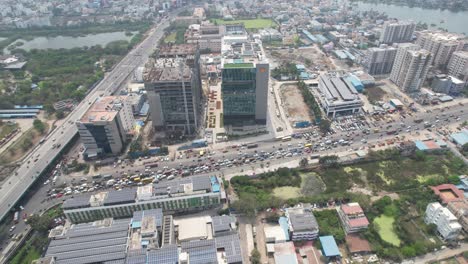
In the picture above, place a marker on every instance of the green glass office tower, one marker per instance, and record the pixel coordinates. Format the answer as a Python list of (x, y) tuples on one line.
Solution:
[(244, 91)]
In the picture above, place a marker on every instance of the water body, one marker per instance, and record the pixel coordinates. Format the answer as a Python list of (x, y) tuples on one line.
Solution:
[(453, 21), (67, 42)]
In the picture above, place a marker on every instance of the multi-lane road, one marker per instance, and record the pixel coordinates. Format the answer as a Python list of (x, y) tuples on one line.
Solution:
[(42, 156)]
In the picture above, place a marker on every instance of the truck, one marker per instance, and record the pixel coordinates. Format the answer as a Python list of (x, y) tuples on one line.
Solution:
[(151, 165), (417, 121), (427, 124)]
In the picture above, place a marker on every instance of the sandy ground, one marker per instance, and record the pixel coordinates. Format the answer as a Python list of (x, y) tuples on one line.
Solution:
[(294, 104)]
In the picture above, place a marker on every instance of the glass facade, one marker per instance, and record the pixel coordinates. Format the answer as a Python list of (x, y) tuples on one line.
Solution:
[(238, 91), (100, 136)]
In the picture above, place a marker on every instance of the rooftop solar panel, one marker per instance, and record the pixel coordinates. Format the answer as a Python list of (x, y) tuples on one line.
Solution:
[(166, 255), (121, 196), (68, 241), (87, 245), (231, 246), (93, 259)]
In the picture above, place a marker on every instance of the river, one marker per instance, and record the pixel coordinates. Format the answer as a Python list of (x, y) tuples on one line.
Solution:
[(68, 42), (453, 21)]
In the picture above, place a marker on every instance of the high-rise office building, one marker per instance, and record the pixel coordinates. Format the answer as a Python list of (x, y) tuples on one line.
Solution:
[(410, 68), (441, 44), (380, 60), (244, 85), (397, 32), (458, 65), (173, 86), (105, 127), (173, 92)]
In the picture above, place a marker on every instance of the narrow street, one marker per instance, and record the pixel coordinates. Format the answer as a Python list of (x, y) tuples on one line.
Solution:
[(442, 254)]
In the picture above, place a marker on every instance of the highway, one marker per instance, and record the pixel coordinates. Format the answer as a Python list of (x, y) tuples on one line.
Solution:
[(453, 115), (41, 157)]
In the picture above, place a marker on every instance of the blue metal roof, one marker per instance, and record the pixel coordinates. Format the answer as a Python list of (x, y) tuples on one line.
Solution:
[(460, 138), (283, 222), (329, 246), (420, 145), (215, 184)]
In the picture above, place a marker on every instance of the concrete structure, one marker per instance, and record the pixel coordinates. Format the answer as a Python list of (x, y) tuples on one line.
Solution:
[(460, 210), (186, 194), (244, 87), (302, 224), (173, 91), (458, 65), (275, 234), (447, 224), (448, 193), (410, 67), (338, 95), (380, 60), (397, 32), (441, 44), (208, 37), (352, 218), (106, 126), (447, 84), (285, 253)]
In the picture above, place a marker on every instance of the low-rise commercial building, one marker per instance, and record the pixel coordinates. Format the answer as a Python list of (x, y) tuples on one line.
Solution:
[(106, 126), (186, 194), (302, 224), (338, 95), (447, 84), (352, 218), (447, 224)]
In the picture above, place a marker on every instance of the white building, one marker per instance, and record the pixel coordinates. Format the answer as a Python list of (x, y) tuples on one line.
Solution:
[(441, 44), (447, 84), (397, 32), (447, 224), (458, 65), (380, 60), (338, 95), (410, 67), (106, 126)]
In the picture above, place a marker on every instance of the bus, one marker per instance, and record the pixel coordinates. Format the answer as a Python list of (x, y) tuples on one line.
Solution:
[(308, 145), (287, 138), (137, 179), (96, 177), (107, 177), (147, 180), (16, 217), (151, 165), (251, 146)]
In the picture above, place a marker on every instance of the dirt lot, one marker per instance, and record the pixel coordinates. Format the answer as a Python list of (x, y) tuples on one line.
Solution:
[(311, 57), (293, 103)]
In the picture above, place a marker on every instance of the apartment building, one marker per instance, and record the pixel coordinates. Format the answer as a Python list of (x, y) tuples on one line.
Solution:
[(397, 32), (338, 95), (442, 45), (447, 224), (458, 65), (410, 67), (106, 126), (181, 195), (380, 60), (244, 86), (352, 218)]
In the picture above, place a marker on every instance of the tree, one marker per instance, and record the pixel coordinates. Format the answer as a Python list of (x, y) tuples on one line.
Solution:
[(465, 148), (40, 223), (325, 125), (408, 251), (255, 257), (39, 126), (329, 161), (247, 204), (60, 114), (26, 144), (304, 162)]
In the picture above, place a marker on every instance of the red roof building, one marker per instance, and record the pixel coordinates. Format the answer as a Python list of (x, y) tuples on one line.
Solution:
[(352, 218), (448, 193)]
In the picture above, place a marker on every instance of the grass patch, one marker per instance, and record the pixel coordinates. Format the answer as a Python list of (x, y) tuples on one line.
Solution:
[(248, 23), (287, 192), (26, 254), (385, 229), (310, 185), (7, 128), (21, 146), (171, 37)]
